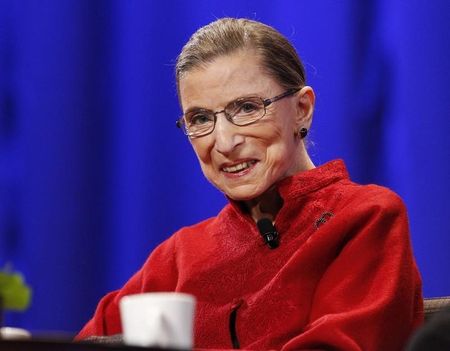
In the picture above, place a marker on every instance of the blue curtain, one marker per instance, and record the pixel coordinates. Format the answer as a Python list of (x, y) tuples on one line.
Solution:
[(94, 174)]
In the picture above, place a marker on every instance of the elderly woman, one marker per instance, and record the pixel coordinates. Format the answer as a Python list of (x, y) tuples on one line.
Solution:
[(301, 257)]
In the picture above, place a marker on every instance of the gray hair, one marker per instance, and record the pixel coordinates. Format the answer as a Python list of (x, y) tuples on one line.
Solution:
[(227, 35)]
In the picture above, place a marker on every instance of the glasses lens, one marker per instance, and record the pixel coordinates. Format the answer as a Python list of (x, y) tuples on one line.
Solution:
[(246, 110), (198, 123)]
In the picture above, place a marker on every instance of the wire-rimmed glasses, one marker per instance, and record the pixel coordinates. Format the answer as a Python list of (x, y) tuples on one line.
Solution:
[(241, 112)]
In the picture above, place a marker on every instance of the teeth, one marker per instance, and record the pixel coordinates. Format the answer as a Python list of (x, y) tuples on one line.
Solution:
[(238, 168)]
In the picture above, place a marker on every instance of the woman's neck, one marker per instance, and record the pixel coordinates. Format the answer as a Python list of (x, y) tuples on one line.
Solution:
[(265, 206), (269, 204)]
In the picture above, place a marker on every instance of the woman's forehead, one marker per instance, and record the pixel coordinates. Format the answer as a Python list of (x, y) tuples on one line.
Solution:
[(224, 79)]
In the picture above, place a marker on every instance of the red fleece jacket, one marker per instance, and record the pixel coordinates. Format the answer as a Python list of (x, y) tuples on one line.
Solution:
[(343, 277)]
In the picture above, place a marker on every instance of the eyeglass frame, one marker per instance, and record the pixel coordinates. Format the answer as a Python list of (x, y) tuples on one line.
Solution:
[(181, 122)]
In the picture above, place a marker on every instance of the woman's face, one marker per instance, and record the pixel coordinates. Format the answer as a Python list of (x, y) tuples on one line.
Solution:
[(244, 162)]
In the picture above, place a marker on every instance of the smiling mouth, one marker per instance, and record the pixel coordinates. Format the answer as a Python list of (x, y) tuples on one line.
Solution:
[(239, 167)]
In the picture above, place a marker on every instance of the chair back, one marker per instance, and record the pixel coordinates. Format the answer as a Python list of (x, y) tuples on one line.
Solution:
[(433, 305)]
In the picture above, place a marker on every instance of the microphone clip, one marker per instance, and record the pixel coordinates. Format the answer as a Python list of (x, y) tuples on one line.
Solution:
[(268, 232)]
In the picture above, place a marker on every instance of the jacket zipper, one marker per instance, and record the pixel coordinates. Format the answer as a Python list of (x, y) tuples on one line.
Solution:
[(232, 325)]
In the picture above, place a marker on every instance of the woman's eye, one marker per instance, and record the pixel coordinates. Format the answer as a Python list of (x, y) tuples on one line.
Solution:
[(199, 118), (248, 107)]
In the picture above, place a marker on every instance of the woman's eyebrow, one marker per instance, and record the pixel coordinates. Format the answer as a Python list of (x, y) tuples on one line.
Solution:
[(196, 109)]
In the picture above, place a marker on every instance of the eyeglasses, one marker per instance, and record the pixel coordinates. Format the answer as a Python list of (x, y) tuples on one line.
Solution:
[(240, 112)]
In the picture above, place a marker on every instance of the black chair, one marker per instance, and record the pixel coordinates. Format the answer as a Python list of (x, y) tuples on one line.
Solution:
[(433, 305)]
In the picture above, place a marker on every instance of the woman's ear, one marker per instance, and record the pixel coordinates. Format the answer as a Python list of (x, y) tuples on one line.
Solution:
[(305, 107)]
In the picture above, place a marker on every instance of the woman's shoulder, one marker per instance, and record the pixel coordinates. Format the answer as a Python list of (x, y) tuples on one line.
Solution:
[(370, 196), (203, 226), (196, 227)]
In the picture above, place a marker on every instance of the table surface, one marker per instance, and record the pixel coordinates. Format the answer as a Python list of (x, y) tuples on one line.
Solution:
[(65, 345)]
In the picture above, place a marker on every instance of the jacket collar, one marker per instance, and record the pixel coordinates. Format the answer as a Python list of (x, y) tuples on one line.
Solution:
[(303, 183)]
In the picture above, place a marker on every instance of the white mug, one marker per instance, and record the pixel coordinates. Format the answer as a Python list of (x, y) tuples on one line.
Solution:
[(14, 333), (158, 319)]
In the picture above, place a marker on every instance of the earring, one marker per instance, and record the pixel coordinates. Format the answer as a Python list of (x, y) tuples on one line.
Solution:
[(303, 132)]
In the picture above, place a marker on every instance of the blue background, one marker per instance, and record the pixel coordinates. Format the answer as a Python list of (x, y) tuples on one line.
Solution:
[(94, 174)]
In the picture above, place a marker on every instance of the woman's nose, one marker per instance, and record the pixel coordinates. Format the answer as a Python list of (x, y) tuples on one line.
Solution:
[(227, 135)]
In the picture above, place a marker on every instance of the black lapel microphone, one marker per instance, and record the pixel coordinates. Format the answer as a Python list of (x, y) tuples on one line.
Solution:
[(268, 232)]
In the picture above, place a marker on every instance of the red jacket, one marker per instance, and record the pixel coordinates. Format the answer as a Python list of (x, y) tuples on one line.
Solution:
[(342, 278)]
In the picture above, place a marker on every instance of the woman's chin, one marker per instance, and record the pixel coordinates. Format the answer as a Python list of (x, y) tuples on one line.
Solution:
[(242, 193)]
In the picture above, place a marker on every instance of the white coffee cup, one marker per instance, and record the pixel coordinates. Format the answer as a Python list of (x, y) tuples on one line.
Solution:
[(14, 333), (158, 319)]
